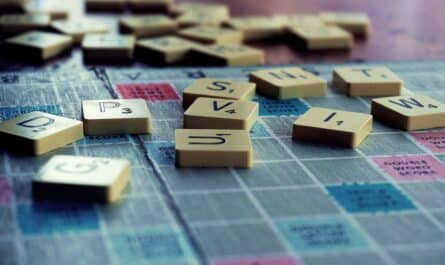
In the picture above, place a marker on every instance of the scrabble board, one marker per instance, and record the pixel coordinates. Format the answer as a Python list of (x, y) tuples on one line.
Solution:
[(301, 203)]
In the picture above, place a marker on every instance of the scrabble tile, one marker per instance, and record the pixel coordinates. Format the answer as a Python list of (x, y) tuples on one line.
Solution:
[(290, 21), (10, 6), (78, 29), (14, 24), (218, 88), (220, 9), (194, 17), (38, 45), (410, 112), (215, 113), (108, 47), (257, 28), (54, 13), (144, 6), (163, 50), (321, 37), (82, 178), (212, 35), (332, 126), (367, 81), (39, 132), (106, 117), (354, 22), (287, 83), (147, 25), (105, 5), (213, 148), (226, 55)]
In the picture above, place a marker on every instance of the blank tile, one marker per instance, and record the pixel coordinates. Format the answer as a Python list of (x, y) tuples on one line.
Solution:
[(296, 202), (287, 83), (332, 127), (39, 132), (104, 117), (367, 81), (82, 178), (410, 112), (290, 21), (213, 148), (256, 28), (213, 113), (202, 15)]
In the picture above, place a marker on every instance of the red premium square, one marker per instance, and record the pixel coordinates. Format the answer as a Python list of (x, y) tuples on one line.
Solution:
[(149, 91)]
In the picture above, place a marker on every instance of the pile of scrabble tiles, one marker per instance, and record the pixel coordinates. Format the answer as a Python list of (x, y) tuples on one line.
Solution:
[(161, 33)]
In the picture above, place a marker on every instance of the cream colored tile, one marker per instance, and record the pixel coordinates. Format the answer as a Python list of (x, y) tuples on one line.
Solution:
[(212, 16), (410, 112), (288, 82), (218, 88), (78, 28), (219, 9), (227, 54), (332, 127), (147, 25), (118, 116), (322, 37), (163, 50), (39, 45), (257, 28), (367, 81), (39, 132), (213, 113), (11, 24), (299, 20), (354, 22), (108, 47), (213, 148), (82, 178), (212, 35)]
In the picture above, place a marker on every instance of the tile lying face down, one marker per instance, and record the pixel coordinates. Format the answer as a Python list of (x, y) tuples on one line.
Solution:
[(213, 148), (82, 178), (331, 126), (39, 132)]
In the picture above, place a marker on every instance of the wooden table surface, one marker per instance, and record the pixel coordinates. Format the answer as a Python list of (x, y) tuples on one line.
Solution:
[(402, 29)]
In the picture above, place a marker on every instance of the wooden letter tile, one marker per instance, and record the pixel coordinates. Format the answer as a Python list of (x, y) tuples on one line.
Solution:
[(147, 25), (367, 81), (301, 20), (356, 23), (257, 28), (104, 117), (214, 113), (78, 29), (212, 35), (410, 112), (106, 47), (39, 132), (287, 83), (212, 15), (332, 127), (82, 178), (321, 37), (163, 50), (218, 88), (213, 148), (227, 55), (38, 45)]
